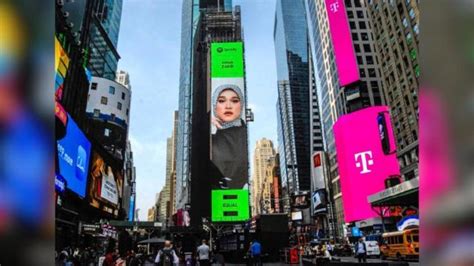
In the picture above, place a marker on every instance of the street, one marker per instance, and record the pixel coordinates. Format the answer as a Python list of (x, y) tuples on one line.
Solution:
[(343, 259)]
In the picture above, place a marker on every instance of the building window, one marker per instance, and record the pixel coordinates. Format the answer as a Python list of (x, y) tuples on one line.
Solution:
[(364, 36), (366, 48), (362, 73), (94, 86), (123, 95), (372, 73), (348, 3), (412, 13), (119, 106), (352, 24), (409, 39), (359, 60), (357, 48), (350, 14), (112, 117), (111, 90), (360, 14), (357, 3), (96, 112), (103, 100), (354, 36), (127, 111), (413, 54), (369, 59), (107, 132), (416, 29), (362, 25), (405, 22), (417, 70)]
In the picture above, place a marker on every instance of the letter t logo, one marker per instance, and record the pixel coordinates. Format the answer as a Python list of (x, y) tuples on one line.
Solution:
[(363, 159)]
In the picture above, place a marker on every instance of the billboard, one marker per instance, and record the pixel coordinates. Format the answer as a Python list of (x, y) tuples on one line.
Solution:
[(73, 158), (319, 201), (230, 205), (229, 151), (346, 63), (363, 163), (106, 188)]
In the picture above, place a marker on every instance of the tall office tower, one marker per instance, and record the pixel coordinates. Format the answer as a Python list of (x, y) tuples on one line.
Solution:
[(337, 99), (296, 91), (191, 11), (285, 184), (396, 27), (173, 165), (262, 159), (128, 201)]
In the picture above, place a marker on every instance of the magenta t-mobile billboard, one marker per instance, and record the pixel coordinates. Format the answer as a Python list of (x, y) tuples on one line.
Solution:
[(346, 62), (366, 155)]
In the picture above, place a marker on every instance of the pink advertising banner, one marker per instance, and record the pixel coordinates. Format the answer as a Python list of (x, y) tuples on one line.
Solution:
[(347, 67), (366, 155)]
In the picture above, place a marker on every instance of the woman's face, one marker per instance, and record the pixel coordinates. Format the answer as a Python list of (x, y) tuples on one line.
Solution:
[(228, 106)]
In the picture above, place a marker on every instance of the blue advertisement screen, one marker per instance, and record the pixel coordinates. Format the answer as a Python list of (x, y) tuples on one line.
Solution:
[(73, 157)]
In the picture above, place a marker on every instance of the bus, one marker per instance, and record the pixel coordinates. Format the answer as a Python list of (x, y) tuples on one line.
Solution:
[(400, 245)]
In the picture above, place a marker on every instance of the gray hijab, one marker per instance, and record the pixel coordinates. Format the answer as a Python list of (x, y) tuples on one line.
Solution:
[(237, 122)]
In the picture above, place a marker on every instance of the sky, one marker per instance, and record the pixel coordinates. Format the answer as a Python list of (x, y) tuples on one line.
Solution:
[(149, 46)]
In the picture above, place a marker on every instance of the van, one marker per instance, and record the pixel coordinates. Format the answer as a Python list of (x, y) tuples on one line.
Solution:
[(400, 245)]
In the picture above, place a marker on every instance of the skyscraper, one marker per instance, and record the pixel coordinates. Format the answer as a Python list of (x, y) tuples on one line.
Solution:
[(263, 155), (298, 110), (396, 25), (335, 99), (191, 12)]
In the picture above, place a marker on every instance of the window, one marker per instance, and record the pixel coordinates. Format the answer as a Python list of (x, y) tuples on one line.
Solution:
[(374, 84), (352, 24), (362, 73), (96, 112), (409, 39), (369, 59), (123, 95), (405, 22), (372, 73), (362, 25), (127, 111), (417, 70), (357, 3), (354, 36), (119, 106), (364, 36), (413, 54), (348, 3), (357, 48), (112, 90), (412, 13), (416, 29), (94, 86), (107, 132), (112, 117), (350, 14), (103, 100), (359, 60), (367, 48)]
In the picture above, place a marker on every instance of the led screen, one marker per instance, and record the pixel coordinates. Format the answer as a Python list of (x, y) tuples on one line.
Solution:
[(346, 63), (363, 164), (228, 126), (73, 158), (231, 205)]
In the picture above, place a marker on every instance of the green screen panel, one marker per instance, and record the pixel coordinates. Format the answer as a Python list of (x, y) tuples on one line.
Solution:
[(230, 205), (227, 60)]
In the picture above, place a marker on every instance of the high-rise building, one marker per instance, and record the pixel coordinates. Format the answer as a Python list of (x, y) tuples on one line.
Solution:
[(173, 165), (396, 27), (191, 12), (297, 108), (263, 155), (152, 214), (336, 100), (129, 195)]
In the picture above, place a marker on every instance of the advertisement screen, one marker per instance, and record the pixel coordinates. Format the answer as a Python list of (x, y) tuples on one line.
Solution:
[(106, 186), (230, 205), (300, 201), (297, 216), (229, 151), (318, 170), (319, 201), (73, 158), (363, 165), (346, 62)]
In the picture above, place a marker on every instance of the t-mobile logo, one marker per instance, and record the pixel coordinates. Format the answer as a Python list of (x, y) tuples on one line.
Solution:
[(334, 7), (364, 159)]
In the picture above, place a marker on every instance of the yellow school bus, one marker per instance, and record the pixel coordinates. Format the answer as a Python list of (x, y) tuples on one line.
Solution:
[(400, 245)]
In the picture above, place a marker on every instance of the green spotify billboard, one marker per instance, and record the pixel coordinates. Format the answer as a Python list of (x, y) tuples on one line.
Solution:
[(230, 205), (229, 147)]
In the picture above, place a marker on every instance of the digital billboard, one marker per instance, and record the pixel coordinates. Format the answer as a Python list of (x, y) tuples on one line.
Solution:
[(230, 205), (319, 201), (73, 158), (346, 63), (363, 163), (229, 151), (106, 188)]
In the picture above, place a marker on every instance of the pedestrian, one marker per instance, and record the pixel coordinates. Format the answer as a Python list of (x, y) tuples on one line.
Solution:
[(203, 254), (256, 252), (167, 256), (110, 255), (330, 248), (361, 251)]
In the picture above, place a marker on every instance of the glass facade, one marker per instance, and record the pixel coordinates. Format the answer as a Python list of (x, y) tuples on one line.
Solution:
[(291, 49), (104, 38)]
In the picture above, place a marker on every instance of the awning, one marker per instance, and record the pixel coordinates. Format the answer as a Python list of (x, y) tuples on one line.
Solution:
[(403, 194)]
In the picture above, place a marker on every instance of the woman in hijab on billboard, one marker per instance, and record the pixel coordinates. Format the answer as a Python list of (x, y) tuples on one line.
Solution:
[(229, 142)]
